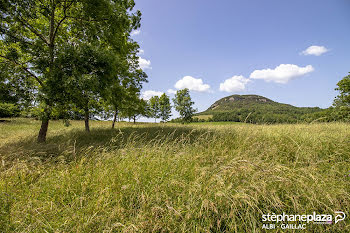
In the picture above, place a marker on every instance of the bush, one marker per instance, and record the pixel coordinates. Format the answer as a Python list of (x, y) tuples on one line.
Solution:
[(9, 110), (341, 113)]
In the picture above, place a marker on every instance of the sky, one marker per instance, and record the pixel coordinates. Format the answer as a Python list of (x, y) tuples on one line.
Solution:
[(292, 52)]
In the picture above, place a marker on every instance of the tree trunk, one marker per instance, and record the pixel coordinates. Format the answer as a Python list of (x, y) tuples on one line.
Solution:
[(134, 120), (45, 122), (114, 118), (43, 130), (87, 127)]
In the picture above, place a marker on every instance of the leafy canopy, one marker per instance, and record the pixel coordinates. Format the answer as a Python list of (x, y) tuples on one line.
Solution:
[(69, 47), (154, 107), (164, 107), (343, 99), (183, 104)]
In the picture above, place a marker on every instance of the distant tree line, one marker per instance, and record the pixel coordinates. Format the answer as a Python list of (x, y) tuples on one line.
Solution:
[(269, 117), (263, 115)]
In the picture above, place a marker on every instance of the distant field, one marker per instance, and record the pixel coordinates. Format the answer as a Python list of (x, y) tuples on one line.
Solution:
[(215, 123), (171, 177), (204, 117)]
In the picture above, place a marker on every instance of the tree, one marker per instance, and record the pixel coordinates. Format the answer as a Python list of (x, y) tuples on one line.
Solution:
[(164, 107), (343, 99), (89, 71), (183, 104), (34, 34), (138, 109), (133, 107), (154, 107), (115, 101), (126, 89)]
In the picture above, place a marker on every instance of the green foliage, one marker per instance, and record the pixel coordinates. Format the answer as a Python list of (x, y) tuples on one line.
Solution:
[(9, 110), (133, 108), (123, 96), (69, 48), (183, 104), (164, 107), (341, 110), (343, 99), (15, 88), (340, 113), (154, 107)]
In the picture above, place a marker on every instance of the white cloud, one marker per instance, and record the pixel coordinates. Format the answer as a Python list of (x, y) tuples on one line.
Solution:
[(282, 73), (141, 51), (193, 84), (315, 50), (135, 32), (144, 64), (171, 91), (146, 95), (234, 84)]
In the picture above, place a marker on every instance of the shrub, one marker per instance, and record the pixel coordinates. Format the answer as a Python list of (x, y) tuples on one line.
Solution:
[(9, 110)]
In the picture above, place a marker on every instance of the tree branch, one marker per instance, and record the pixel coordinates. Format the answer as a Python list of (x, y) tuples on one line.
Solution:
[(10, 34), (24, 68), (64, 17), (32, 29)]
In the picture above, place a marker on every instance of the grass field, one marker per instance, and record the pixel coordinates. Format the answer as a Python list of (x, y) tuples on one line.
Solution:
[(171, 177)]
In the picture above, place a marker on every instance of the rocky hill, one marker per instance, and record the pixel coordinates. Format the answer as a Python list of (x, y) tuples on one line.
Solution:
[(255, 109)]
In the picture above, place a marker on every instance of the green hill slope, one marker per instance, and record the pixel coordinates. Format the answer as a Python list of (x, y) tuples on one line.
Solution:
[(255, 109)]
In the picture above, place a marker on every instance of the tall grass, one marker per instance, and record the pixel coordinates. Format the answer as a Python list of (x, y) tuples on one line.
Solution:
[(171, 178)]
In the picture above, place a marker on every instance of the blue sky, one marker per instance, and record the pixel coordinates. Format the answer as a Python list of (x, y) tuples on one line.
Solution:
[(258, 46)]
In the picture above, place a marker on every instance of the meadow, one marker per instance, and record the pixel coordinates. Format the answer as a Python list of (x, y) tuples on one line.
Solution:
[(148, 177)]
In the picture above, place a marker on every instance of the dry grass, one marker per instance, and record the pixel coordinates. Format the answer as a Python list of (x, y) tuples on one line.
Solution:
[(171, 178)]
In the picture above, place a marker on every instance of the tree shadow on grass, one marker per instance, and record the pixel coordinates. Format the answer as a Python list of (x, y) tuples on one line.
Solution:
[(68, 146)]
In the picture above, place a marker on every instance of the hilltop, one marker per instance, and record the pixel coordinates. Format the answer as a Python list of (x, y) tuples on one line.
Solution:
[(240, 101), (255, 109)]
